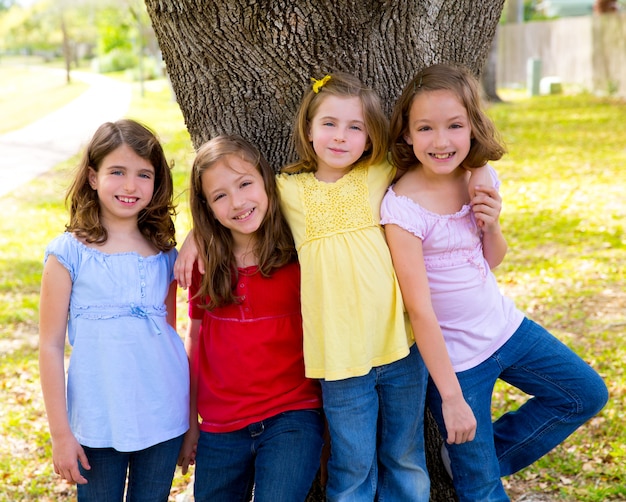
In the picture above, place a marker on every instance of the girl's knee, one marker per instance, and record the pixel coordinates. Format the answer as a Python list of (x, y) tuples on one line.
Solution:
[(591, 398), (598, 396)]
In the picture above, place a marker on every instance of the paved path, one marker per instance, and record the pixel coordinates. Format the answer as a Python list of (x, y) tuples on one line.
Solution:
[(37, 147)]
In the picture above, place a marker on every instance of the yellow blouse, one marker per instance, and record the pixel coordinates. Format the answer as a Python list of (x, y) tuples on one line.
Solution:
[(351, 303)]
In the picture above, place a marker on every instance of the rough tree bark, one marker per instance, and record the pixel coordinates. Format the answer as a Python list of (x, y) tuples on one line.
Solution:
[(242, 66), (489, 73)]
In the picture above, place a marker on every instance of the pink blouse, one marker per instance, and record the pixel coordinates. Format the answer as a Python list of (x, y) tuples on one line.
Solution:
[(475, 317)]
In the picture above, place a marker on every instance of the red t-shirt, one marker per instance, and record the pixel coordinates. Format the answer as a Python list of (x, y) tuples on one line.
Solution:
[(251, 365)]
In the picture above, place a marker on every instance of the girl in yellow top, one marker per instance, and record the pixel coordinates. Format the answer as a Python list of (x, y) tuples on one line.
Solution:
[(357, 340), (355, 337)]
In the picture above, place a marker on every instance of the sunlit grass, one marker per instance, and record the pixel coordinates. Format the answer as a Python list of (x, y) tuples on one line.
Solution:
[(563, 216), (32, 216), (28, 93)]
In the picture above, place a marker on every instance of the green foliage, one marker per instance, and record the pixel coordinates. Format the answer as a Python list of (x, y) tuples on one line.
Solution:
[(114, 27), (117, 60), (117, 28)]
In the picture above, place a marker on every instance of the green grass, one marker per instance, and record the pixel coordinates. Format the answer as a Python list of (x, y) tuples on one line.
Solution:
[(563, 215), (28, 93), (31, 217)]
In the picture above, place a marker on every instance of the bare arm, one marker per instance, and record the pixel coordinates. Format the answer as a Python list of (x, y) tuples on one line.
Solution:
[(408, 260), (187, 256), (187, 454), (487, 205), (170, 305), (56, 287), (479, 176)]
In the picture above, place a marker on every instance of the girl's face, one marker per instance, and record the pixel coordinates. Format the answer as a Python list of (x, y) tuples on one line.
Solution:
[(124, 182), (339, 137), (439, 131), (235, 192)]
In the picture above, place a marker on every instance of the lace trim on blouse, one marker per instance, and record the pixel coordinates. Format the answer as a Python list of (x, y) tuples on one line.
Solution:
[(336, 207)]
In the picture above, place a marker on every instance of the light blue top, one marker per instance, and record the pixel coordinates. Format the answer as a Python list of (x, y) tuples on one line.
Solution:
[(128, 376)]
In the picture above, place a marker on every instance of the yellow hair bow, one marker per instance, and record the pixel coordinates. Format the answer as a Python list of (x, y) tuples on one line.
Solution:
[(318, 84)]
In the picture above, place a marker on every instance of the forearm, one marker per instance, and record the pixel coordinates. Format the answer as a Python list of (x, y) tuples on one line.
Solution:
[(494, 246), (52, 376), (434, 352), (192, 347)]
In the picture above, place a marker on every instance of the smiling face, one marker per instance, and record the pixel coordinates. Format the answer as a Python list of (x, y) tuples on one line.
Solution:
[(339, 136), (439, 131), (124, 182), (235, 192)]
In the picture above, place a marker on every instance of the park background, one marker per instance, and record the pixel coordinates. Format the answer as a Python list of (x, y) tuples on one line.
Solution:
[(563, 215)]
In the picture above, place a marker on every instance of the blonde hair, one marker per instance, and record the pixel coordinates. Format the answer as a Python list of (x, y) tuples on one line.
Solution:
[(485, 145), (274, 243), (345, 86)]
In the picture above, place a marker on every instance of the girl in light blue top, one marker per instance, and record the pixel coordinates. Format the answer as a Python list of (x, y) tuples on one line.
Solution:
[(108, 282)]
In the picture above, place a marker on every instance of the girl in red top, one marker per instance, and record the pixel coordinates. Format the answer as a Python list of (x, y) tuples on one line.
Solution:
[(260, 418)]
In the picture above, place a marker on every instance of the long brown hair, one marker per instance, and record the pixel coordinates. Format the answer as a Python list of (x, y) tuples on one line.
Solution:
[(485, 145), (155, 222), (342, 85), (274, 243)]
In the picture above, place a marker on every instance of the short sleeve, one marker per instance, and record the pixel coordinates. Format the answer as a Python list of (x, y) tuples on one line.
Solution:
[(65, 249), (398, 210), (171, 256)]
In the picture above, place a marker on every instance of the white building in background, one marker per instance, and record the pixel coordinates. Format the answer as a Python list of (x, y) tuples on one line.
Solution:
[(565, 8)]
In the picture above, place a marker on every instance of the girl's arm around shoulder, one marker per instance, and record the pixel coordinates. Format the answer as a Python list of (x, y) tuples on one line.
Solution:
[(408, 261), (56, 288), (479, 176), (187, 256)]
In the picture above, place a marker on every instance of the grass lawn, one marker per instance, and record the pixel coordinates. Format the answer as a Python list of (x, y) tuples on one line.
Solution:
[(28, 93), (563, 215)]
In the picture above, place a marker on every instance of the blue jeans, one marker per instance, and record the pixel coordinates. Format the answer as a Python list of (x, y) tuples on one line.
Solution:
[(376, 425), (566, 393), (150, 473), (279, 456)]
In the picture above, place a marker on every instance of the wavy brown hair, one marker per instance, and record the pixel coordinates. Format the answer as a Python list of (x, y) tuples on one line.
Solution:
[(274, 243), (485, 145), (155, 222), (342, 85)]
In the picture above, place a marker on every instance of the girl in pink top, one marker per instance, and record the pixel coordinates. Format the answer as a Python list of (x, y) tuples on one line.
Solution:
[(260, 418), (444, 244)]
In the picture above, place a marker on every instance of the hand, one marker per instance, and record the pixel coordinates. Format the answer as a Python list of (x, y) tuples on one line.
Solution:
[(487, 205), (187, 257), (66, 453), (188, 450), (460, 421)]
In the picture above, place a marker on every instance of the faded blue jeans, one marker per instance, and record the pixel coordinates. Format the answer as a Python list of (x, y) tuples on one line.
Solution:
[(376, 425), (279, 456), (565, 390), (150, 473)]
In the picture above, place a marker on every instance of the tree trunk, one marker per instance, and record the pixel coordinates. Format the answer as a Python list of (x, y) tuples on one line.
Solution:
[(241, 66), (489, 73)]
